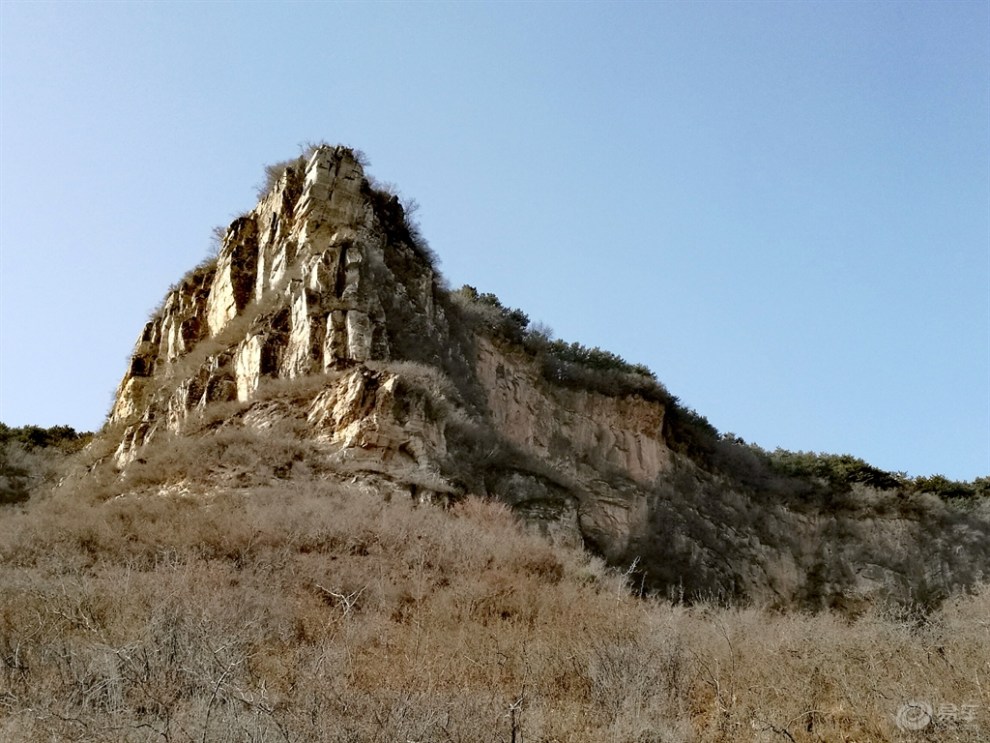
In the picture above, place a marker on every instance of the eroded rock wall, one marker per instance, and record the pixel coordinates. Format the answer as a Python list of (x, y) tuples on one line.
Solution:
[(571, 429), (295, 290)]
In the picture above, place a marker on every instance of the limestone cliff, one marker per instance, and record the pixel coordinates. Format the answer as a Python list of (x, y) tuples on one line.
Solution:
[(296, 290), (323, 310)]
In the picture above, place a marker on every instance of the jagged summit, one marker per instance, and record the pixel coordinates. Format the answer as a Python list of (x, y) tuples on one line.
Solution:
[(296, 272), (323, 322)]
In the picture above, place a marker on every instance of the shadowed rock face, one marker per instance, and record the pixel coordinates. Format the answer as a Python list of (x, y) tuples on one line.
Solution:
[(324, 283)]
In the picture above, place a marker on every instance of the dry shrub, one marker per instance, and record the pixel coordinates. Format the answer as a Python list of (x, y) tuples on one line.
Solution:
[(306, 611), (823, 677)]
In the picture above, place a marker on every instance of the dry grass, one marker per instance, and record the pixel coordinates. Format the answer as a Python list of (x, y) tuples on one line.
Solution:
[(311, 612)]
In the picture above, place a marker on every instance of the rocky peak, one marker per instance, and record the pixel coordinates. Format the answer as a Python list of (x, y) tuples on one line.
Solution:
[(294, 290)]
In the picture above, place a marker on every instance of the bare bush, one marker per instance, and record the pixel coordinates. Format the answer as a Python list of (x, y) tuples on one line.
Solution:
[(304, 611)]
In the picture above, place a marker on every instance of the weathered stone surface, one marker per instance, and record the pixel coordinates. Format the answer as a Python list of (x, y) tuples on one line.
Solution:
[(126, 404), (247, 367), (291, 294), (548, 507), (567, 427), (359, 412), (299, 260), (235, 274)]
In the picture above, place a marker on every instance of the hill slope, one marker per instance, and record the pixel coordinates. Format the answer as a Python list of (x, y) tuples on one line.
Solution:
[(323, 318), (247, 550), (316, 612)]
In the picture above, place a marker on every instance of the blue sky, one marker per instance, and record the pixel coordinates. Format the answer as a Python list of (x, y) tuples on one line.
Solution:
[(781, 208)]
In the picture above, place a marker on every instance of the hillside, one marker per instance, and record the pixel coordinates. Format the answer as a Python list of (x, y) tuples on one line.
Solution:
[(307, 612), (323, 317), (336, 500), (31, 458)]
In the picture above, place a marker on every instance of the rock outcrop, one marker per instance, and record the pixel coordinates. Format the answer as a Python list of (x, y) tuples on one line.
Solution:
[(323, 307), (295, 291)]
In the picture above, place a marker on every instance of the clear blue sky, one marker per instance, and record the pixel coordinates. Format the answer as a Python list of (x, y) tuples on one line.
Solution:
[(782, 208)]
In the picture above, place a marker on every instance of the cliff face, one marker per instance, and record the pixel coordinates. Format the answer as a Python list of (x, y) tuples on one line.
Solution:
[(323, 314), (291, 293), (323, 278), (296, 290)]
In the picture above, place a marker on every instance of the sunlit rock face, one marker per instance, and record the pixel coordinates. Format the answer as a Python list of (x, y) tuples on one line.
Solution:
[(294, 291)]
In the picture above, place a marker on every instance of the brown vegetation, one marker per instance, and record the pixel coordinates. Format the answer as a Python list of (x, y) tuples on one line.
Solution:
[(31, 457), (306, 611)]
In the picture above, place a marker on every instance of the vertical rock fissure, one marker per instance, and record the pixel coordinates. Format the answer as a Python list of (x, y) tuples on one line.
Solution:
[(340, 280)]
